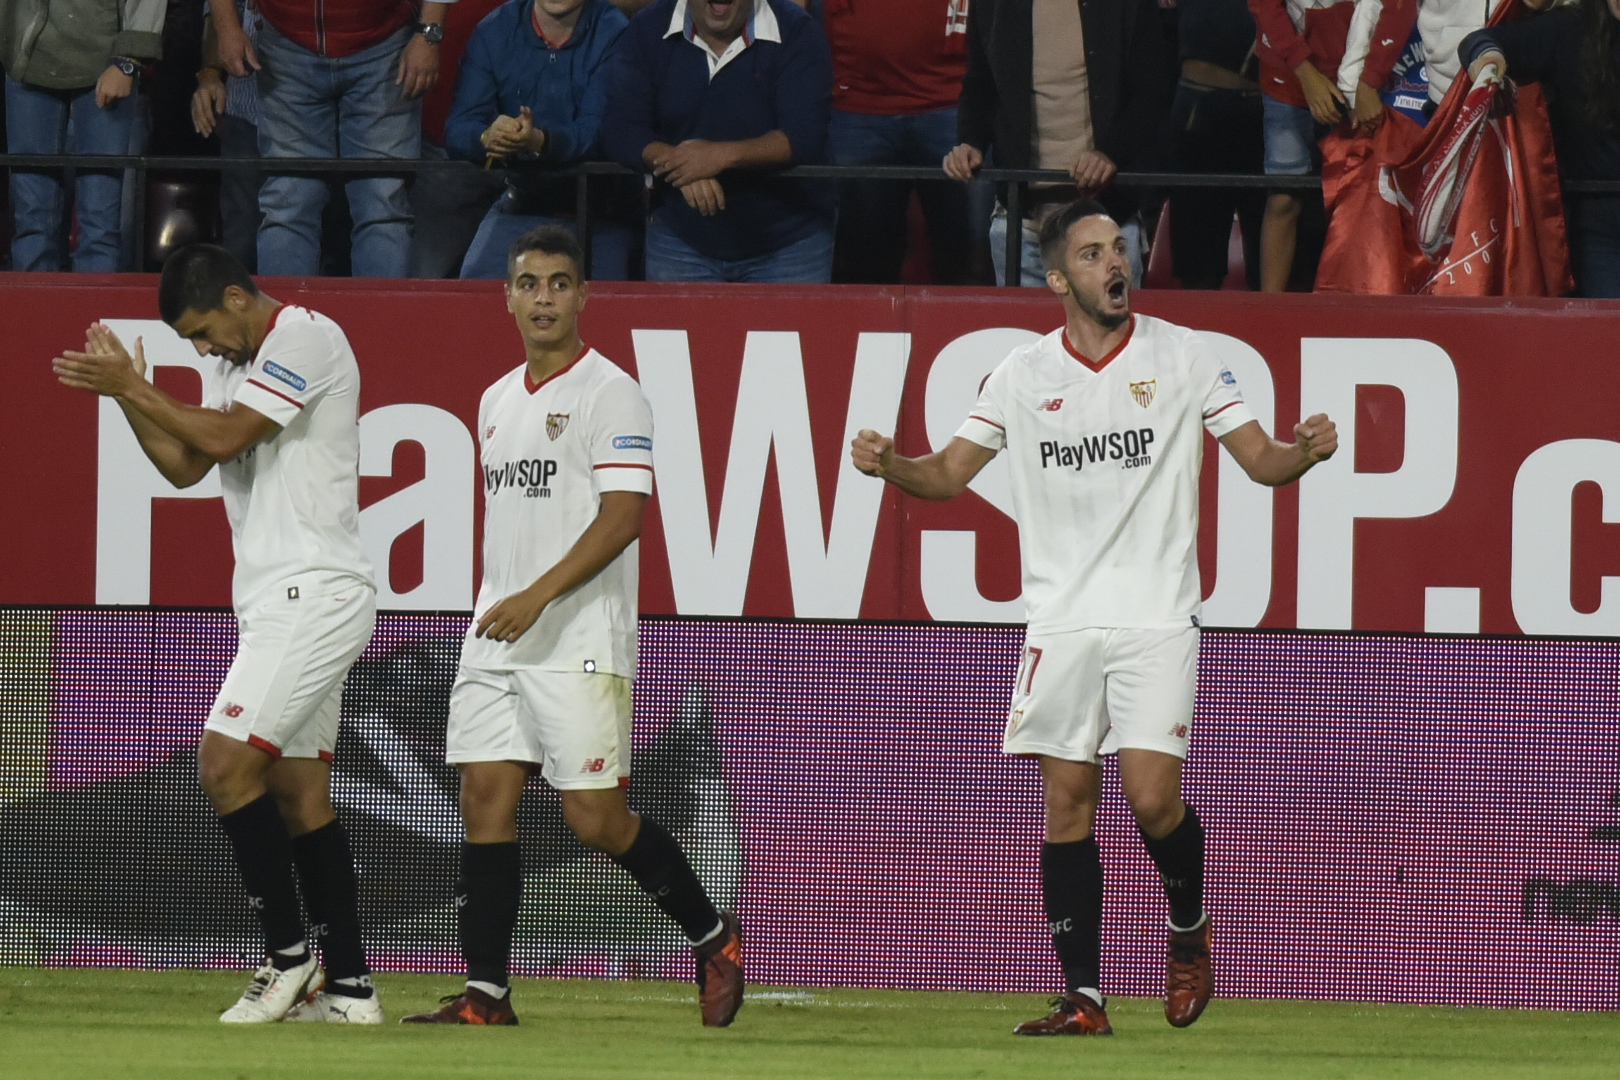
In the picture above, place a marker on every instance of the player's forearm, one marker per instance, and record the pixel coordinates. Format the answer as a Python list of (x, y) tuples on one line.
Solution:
[(1279, 464), (925, 477), (615, 528), (180, 464), (209, 432)]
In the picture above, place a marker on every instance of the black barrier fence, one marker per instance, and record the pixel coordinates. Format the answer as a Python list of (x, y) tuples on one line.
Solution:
[(1013, 183)]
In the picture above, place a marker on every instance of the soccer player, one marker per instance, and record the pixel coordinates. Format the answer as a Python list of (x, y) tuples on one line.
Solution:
[(279, 419), (1104, 419), (547, 662)]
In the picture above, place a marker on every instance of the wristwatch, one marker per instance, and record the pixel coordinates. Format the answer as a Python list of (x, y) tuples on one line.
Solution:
[(126, 65), (431, 32)]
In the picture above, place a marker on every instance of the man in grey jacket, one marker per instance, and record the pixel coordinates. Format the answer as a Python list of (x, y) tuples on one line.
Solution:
[(72, 61)]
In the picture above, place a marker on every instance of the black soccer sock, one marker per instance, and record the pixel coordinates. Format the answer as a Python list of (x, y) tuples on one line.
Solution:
[(488, 897), (332, 899), (659, 866), (1179, 856), (1072, 888), (263, 853)]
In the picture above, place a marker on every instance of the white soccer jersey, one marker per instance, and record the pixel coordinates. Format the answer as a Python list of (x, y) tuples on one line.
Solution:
[(293, 500), (549, 451), (1105, 465)]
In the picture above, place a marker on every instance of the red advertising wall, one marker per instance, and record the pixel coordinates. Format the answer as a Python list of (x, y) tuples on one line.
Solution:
[(1474, 491)]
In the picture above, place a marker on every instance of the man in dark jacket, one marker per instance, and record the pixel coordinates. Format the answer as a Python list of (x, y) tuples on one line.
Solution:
[(339, 78), (72, 62), (531, 92), (708, 98), (1060, 84)]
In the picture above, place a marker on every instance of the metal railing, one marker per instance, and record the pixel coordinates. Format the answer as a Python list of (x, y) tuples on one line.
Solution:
[(1016, 181)]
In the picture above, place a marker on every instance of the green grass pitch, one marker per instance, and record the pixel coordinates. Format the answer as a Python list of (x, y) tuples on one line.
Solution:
[(124, 1024)]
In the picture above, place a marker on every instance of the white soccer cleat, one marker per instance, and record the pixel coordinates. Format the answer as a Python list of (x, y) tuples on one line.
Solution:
[(272, 993), (337, 1009)]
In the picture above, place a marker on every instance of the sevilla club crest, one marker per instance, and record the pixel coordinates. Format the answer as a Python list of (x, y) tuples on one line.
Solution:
[(1143, 392), (556, 424)]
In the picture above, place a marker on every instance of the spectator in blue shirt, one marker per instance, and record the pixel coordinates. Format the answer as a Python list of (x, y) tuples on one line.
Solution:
[(709, 98), (531, 92)]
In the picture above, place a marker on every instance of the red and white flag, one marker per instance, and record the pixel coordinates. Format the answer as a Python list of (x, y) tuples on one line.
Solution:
[(1468, 206)]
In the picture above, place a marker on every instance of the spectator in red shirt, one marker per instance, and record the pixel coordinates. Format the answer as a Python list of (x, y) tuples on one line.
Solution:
[(1300, 45), (897, 74)]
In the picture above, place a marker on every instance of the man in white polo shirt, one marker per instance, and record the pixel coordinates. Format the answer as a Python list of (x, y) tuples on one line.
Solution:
[(1104, 419), (279, 419), (566, 445)]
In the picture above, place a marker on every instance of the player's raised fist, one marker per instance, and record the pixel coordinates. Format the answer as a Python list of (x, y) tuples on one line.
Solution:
[(1318, 437), (871, 452)]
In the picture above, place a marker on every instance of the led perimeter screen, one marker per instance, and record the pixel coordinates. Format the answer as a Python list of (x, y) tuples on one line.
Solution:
[(1396, 818)]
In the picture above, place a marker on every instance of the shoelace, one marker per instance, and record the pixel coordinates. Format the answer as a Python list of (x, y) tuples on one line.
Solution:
[(261, 982), (1183, 967)]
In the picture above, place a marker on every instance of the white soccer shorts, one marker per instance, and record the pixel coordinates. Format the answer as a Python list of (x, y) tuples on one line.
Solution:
[(575, 725), (1084, 693), (286, 683)]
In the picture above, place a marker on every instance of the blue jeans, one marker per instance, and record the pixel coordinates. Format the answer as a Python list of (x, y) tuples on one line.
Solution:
[(38, 122), (803, 262), (349, 107), (872, 217), (486, 258)]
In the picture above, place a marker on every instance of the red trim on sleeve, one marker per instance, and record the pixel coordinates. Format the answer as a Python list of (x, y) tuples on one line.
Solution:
[(273, 390), (266, 745), (622, 465), (325, 755), (1105, 361), (982, 420), (528, 379), (1223, 408)]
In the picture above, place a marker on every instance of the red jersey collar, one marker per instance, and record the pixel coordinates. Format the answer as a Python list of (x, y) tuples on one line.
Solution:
[(528, 379), (1098, 365)]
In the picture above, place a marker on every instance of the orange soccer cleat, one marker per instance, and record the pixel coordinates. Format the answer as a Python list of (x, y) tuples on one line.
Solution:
[(720, 974), (1072, 1014), (1188, 978), (469, 1007)]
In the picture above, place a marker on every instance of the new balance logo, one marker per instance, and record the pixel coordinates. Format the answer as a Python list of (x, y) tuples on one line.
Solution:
[(594, 765), (1179, 731), (231, 709), (1051, 404)]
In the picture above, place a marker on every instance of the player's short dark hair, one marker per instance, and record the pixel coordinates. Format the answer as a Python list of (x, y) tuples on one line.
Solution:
[(1055, 232), (548, 240), (195, 279)]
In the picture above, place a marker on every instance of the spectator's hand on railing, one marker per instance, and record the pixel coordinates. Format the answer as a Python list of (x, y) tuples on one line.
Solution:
[(113, 86), (418, 67), (208, 102), (692, 161), (705, 196), (1368, 114), (962, 162), (235, 50), (1322, 97), (1093, 170)]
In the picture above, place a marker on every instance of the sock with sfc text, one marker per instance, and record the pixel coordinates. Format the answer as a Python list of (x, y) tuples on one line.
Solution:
[(659, 866), (1179, 857), (488, 897), (263, 852), (1072, 888), (332, 900)]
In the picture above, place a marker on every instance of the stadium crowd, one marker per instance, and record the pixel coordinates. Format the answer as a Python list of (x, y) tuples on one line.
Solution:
[(710, 99)]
